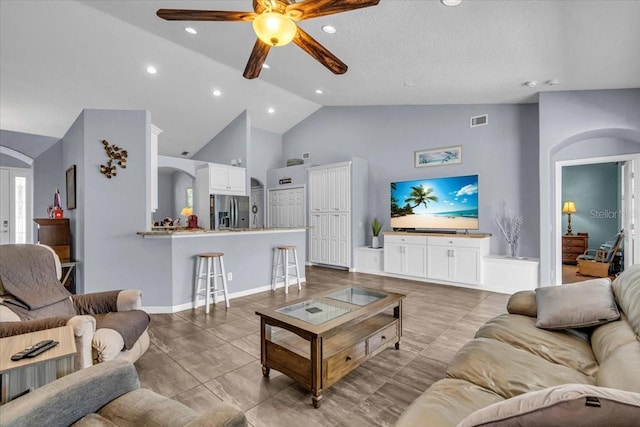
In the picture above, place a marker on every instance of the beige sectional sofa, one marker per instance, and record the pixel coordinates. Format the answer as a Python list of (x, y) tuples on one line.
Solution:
[(514, 369), (109, 395)]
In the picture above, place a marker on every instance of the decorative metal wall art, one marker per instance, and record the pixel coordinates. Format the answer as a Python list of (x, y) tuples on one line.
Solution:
[(115, 154)]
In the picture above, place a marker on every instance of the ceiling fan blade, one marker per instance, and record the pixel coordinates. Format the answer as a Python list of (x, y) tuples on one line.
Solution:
[(257, 58), (315, 8), (319, 52), (204, 15)]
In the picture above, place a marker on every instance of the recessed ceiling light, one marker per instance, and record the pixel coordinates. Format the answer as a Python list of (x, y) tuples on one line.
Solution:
[(271, 110), (329, 29), (553, 82), (531, 84), (216, 92), (451, 3), (191, 30), (151, 69), (265, 65), (319, 91)]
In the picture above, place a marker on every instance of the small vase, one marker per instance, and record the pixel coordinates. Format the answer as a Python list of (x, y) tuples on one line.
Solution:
[(375, 242), (513, 250)]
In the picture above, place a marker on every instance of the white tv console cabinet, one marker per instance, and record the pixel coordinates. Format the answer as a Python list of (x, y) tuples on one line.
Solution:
[(450, 259)]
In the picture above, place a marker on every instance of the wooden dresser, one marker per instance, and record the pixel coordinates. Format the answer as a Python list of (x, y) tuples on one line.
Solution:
[(572, 246), (55, 233)]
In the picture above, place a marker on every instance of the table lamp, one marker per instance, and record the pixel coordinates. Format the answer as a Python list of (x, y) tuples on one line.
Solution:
[(569, 207)]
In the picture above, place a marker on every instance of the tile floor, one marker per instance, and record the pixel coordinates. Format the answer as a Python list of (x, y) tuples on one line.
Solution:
[(201, 359)]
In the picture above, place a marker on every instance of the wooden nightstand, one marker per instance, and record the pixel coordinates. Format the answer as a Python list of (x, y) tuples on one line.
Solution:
[(24, 375), (572, 246)]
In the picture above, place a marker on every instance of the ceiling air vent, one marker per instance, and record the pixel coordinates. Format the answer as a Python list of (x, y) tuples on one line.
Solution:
[(479, 120), (184, 153)]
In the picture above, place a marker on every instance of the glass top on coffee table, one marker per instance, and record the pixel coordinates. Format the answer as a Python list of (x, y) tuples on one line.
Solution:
[(314, 311), (357, 296)]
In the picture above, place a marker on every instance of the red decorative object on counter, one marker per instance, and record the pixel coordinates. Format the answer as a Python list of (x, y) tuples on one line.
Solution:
[(58, 213), (192, 221)]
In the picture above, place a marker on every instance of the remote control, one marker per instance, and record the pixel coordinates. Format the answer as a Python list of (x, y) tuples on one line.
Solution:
[(29, 350), (42, 349)]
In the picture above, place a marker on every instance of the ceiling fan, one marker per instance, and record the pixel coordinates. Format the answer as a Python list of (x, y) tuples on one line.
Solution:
[(274, 24)]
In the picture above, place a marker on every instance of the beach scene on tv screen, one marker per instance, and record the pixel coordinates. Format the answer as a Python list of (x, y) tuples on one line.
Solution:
[(435, 203)]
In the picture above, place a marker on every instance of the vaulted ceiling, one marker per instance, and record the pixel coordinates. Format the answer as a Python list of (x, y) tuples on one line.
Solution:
[(58, 57)]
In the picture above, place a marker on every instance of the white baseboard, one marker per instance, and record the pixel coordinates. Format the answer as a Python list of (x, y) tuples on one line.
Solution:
[(239, 294)]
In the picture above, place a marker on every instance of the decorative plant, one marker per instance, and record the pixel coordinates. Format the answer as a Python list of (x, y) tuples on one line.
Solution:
[(376, 226), (510, 225)]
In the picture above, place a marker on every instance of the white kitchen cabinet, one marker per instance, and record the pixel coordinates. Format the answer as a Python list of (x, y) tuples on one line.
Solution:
[(319, 238), (287, 207), (369, 260), (405, 255), (213, 178), (318, 193), (336, 217), (224, 179), (456, 259)]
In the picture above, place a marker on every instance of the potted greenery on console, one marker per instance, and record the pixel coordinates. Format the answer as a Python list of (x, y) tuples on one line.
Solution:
[(376, 226)]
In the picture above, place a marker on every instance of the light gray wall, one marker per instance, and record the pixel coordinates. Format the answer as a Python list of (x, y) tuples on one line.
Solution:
[(594, 189), (503, 154), (26, 143), (265, 152), (231, 143), (47, 176), (115, 209), (73, 154), (297, 173), (180, 181), (166, 204), (576, 122), (12, 162), (110, 211)]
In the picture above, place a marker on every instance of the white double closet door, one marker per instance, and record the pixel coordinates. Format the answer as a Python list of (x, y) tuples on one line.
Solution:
[(15, 205)]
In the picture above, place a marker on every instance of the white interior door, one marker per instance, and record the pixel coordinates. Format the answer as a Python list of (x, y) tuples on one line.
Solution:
[(15, 205), (287, 207)]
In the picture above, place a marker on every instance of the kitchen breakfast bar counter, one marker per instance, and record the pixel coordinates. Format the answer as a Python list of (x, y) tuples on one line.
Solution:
[(248, 257)]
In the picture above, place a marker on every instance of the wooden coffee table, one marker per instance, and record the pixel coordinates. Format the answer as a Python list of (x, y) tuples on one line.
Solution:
[(27, 374), (316, 341)]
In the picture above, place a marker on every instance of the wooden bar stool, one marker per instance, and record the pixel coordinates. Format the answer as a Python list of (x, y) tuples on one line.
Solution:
[(206, 283), (281, 262)]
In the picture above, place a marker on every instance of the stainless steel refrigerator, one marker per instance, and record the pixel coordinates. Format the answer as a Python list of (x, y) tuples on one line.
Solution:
[(229, 212)]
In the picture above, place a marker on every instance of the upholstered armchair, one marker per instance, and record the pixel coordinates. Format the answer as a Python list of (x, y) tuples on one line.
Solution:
[(106, 325), (598, 262)]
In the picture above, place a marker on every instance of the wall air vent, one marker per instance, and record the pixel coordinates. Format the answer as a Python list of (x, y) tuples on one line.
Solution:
[(479, 120), (305, 156)]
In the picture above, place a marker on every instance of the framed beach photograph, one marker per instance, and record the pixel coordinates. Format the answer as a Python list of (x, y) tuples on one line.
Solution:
[(71, 187), (439, 156)]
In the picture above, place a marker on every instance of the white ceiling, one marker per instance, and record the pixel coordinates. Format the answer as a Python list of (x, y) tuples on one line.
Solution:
[(57, 57)]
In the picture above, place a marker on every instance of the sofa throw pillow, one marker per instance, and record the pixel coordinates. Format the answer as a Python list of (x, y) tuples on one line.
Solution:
[(577, 305), (563, 405)]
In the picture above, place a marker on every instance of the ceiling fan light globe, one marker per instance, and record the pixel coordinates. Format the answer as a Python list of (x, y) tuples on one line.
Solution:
[(274, 28)]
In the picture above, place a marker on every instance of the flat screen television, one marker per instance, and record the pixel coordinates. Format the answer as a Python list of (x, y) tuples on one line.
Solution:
[(435, 204)]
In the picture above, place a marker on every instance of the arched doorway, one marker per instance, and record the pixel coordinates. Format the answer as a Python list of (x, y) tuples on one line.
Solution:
[(591, 148)]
